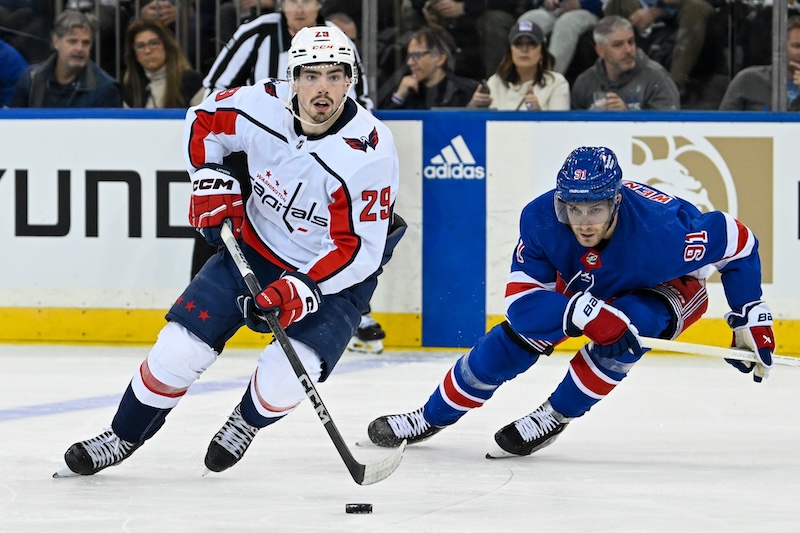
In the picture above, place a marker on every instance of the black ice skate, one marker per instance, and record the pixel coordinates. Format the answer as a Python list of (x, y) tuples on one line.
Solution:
[(231, 441), (368, 338), (390, 431), (530, 433), (88, 457)]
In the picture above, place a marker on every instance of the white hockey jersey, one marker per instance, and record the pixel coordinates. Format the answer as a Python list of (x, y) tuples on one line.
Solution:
[(320, 205)]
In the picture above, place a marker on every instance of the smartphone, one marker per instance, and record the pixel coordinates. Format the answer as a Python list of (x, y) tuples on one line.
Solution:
[(484, 87)]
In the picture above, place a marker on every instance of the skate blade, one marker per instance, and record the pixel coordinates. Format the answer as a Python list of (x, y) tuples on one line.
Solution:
[(64, 471), (499, 453)]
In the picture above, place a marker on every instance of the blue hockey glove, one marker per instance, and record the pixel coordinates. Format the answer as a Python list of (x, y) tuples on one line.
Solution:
[(294, 296), (752, 330), (608, 327)]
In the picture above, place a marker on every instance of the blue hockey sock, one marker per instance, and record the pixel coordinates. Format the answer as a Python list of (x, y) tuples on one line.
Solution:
[(588, 381), (251, 414), (135, 421)]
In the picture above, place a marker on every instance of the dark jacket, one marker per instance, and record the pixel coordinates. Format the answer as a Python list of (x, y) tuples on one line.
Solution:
[(37, 87), (452, 91)]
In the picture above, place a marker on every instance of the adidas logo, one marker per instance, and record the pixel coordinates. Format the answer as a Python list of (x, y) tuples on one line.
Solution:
[(454, 161)]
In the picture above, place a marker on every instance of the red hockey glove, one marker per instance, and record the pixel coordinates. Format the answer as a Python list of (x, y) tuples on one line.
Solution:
[(605, 325), (294, 295), (216, 195), (752, 330)]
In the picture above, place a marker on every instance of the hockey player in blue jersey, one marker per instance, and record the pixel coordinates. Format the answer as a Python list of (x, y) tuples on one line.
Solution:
[(611, 260), (316, 230)]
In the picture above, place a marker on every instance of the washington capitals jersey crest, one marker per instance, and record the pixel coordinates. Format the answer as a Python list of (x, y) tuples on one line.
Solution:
[(362, 143)]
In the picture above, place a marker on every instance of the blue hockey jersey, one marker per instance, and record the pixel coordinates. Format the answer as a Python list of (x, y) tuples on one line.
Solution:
[(658, 238)]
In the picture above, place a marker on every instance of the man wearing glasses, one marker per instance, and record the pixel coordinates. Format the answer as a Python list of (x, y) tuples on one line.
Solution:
[(431, 82)]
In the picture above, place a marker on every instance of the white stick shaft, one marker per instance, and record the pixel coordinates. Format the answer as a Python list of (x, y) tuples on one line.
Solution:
[(714, 351)]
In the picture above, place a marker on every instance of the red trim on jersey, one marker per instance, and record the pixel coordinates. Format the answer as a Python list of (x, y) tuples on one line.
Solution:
[(744, 233), (265, 404), (157, 387), (588, 376), (344, 238), (219, 122), (250, 237), (454, 395), (516, 287)]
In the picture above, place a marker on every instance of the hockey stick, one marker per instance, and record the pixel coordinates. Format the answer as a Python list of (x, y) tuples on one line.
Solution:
[(714, 351), (362, 474)]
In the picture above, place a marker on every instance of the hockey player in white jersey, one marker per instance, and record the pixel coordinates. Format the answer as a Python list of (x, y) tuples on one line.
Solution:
[(316, 230), (258, 50), (611, 260)]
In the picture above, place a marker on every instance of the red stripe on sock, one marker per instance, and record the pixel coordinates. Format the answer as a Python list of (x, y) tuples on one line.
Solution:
[(157, 387), (589, 377), (265, 404), (455, 396)]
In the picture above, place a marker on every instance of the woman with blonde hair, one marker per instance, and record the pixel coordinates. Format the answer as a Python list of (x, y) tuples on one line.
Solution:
[(157, 73), (524, 79)]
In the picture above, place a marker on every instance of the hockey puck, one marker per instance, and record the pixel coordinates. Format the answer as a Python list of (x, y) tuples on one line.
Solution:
[(358, 508)]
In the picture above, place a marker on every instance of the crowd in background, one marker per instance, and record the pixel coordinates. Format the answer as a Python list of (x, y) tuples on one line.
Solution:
[(524, 55)]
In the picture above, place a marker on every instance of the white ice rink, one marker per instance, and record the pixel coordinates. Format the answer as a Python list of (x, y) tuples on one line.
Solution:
[(683, 444)]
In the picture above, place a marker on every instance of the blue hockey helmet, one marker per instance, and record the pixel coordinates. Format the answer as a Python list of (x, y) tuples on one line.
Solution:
[(590, 174)]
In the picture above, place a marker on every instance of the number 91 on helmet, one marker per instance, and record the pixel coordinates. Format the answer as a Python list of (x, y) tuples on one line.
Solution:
[(590, 176), (320, 45)]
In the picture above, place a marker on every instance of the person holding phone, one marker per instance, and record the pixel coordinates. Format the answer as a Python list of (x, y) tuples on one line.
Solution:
[(524, 80)]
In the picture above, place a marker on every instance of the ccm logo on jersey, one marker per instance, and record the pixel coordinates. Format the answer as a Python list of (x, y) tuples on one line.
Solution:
[(363, 142)]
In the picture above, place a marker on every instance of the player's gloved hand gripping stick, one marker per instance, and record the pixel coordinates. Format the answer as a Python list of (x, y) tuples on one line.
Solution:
[(362, 474)]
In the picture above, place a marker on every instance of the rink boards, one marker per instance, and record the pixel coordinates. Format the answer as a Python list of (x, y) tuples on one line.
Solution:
[(96, 242)]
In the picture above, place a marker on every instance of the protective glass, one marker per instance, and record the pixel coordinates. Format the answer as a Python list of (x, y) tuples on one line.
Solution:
[(584, 214)]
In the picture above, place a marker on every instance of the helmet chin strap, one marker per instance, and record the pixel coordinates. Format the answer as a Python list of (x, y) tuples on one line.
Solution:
[(288, 104)]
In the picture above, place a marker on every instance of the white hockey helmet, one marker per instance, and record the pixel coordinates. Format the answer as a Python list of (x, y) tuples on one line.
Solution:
[(321, 45)]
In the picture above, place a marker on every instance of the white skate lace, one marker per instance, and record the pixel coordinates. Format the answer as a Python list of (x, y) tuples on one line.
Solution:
[(537, 424), (236, 434), (408, 424), (107, 449)]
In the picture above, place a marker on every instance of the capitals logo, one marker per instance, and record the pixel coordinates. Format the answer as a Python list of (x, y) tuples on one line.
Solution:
[(362, 143)]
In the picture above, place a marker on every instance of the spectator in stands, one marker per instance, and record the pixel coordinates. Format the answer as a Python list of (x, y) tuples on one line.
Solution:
[(108, 41), (68, 78), (345, 23), (489, 21), (12, 65), (431, 82), (623, 77), (259, 49), (26, 25), (182, 18), (236, 12), (158, 74), (751, 89), (690, 17), (564, 21), (524, 80)]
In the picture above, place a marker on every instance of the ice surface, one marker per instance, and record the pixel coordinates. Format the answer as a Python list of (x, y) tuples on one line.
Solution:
[(683, 444)]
